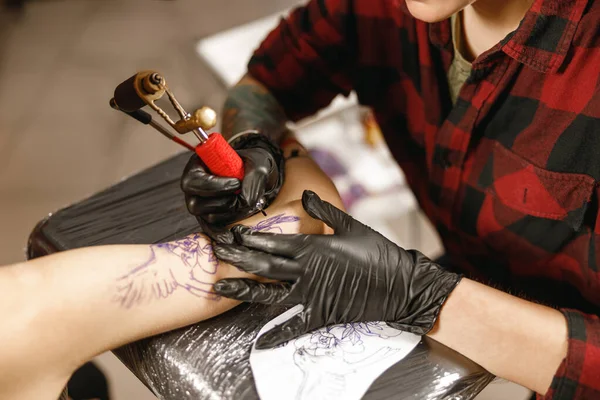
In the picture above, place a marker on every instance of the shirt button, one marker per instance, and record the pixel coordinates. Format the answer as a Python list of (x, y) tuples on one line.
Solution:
[(446, 160)]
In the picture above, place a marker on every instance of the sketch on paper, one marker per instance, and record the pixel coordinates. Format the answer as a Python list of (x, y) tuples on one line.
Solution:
[(328, 355), (336, 362)]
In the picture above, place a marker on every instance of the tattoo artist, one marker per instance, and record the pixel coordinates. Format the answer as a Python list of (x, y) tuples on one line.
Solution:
[(492, 109)]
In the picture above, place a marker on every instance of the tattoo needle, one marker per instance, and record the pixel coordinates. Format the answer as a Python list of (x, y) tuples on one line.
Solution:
[(260, 205)]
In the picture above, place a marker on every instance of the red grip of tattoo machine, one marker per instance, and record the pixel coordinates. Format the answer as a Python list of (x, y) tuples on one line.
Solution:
[(220, 158), (145, 88)]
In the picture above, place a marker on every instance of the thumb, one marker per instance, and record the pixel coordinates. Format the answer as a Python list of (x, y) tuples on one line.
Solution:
[(335, 218), (257, 165), (216, 233), (253, 188), (290, 329)]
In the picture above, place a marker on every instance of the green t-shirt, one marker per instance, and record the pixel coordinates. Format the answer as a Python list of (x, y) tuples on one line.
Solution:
[(461, 68)]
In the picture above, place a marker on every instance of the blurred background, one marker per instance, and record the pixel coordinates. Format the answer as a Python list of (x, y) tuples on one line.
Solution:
[(60, 142)]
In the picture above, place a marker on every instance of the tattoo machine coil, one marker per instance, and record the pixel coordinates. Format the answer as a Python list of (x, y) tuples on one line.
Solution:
[(145, 88)]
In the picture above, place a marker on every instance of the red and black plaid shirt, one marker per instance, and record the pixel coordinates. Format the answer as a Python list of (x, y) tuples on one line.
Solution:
[(509, 174)]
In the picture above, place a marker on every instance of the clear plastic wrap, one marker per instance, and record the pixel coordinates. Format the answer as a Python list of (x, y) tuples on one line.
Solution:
[(210, 360)]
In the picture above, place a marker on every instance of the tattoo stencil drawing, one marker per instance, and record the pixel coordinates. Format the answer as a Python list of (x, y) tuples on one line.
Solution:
[(337, 362), (180, 265), (328, 355), (272, 224)]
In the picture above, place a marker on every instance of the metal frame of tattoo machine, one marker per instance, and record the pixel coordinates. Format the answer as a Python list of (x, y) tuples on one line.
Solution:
[(145, 88)]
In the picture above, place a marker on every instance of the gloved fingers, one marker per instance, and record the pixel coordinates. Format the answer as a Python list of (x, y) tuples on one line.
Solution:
[(253, 189), (290, 329), (258, 263), (218, 234), (286, 245), (207, 185), (252, 291), (335, 218), (229, 217), (258, 165), (197, 181), (209, 205)]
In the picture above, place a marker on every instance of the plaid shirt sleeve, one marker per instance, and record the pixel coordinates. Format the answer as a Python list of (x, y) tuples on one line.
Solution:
[(578, 377), (307, 60)]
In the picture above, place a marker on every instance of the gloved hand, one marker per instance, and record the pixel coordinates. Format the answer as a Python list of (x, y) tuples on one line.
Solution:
[(354, 275), (217, 201)]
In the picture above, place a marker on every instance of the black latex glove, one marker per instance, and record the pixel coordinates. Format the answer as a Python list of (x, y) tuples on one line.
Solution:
[(354, 275), (218, 201)]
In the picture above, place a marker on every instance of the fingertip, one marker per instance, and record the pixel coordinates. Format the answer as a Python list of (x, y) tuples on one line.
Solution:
[(239, 228), (184, 183), (219, 250), (191, 202), (268, 340), (200, 183), (219, 219), (225, 237), (308, 196), (252, 193), (239, 231), (231, 288), (227, 252), (217, 234), (222, 287), (233, 184), (289, 330), (260, 344), (227, 186), (310, 201)]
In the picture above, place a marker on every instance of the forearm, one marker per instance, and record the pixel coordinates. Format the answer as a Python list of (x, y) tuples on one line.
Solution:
[(66, 308), (61, 310), (512, 338), (250, 106), (95, 299)]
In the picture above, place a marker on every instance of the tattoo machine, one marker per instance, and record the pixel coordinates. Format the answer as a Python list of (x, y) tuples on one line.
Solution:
[(145, 88)]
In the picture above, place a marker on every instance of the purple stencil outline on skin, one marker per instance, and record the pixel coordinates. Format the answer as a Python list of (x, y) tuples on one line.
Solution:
[(271, 224), (186, 257)]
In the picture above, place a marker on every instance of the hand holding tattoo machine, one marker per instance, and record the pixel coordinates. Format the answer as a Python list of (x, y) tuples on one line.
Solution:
[(145, 88)]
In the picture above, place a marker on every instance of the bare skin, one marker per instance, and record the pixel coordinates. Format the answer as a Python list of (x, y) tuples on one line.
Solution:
[(485, 22), (60, 311), (527, 351)]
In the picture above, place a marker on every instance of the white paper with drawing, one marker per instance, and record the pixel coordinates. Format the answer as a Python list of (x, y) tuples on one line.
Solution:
[(338, 362)]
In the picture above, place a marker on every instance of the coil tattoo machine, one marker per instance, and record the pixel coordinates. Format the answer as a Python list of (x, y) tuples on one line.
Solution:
[(145, 88)]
